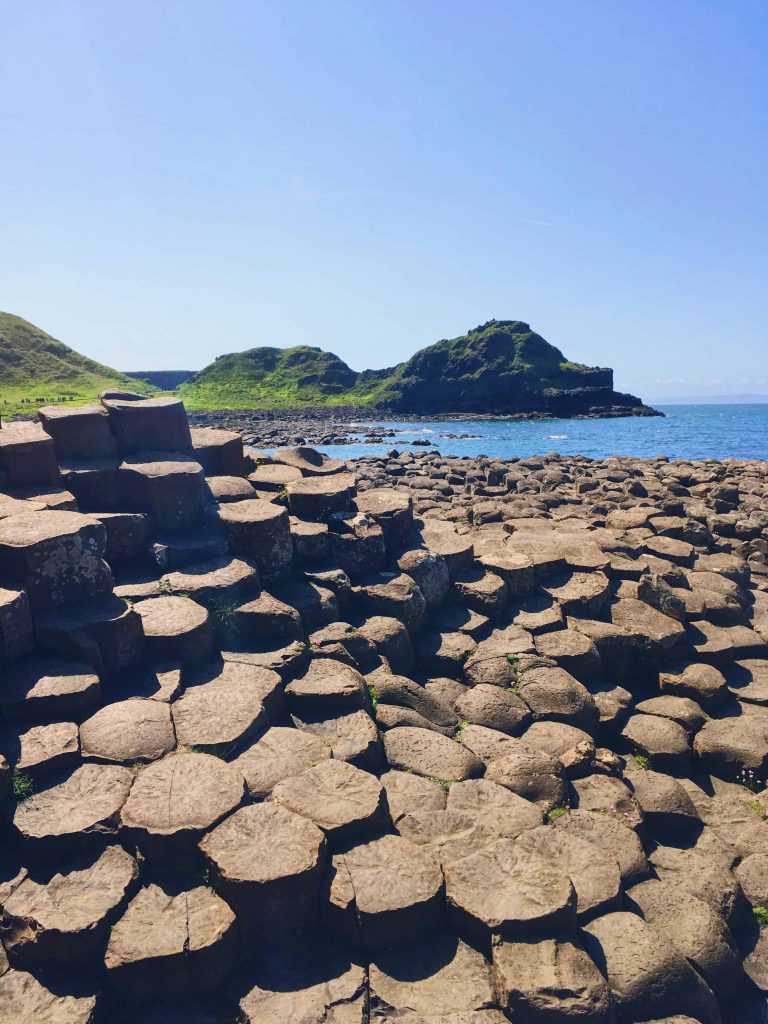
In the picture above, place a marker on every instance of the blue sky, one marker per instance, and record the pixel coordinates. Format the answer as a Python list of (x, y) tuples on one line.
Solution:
[(181, 179)]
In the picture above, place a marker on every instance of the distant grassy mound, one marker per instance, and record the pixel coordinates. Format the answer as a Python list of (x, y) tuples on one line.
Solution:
[(36, 369), (267, 378), (500, 367)]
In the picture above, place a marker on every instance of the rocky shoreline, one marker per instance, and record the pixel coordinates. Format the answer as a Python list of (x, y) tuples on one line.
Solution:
[(417, 738), (270, 428)]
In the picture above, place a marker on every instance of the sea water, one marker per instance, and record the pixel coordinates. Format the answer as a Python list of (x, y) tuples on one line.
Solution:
[(684, 432)]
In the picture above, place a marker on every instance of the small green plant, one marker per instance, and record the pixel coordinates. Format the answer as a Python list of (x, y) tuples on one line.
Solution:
[(515, 689), (642, 761), (22, 785), (220, 750), (557, 812), (460, 729), (372, 694), (136, 766), (165, 586), (761, 916), (223, 612), (512, 659), (757, 807), (314, 649)]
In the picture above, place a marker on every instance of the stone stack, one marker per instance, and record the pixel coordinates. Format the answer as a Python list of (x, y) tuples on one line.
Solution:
[(421, 740)]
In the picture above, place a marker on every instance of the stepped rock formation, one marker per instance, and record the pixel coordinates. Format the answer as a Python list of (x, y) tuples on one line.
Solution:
[(501, 367), (419, 739)]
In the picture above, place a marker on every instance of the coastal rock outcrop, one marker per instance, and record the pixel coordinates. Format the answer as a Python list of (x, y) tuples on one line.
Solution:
[(417, 738)]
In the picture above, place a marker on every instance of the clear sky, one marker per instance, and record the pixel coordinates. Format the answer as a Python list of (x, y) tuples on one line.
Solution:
[(183, 178)]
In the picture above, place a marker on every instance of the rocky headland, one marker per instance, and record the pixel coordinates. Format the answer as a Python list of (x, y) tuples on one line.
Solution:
[(418, 739), (500, 368)]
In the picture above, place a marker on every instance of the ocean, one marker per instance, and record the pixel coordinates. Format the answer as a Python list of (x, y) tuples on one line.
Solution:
[(685, 432)]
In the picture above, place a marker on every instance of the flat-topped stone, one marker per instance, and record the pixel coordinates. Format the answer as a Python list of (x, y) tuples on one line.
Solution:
[(396, 889), (260, 530), (279, 754), (76, 814), (508, 890), (221, 715), (214, 584), (176, 627), (27, 454), (430, 754), (57, 557), (219, 452), (340, 799), (317, 497), (174, 943), (82, 432), (138, 424), (129, 731), (66, 921), (266, 862), (39, 689), (166, 485), (26, 1000), (176, 800)]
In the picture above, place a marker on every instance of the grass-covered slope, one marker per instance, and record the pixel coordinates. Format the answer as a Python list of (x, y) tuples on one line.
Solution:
[(499, 367), (36, 369), (264, 378)]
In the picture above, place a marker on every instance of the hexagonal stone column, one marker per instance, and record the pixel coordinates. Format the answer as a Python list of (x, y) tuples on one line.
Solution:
[(56, 556), (175, 801), (27, 454), (174, 944), (139, 425), (394, 889), (261, 531), (75, 815), (67, 920), (165, 485), (392, 509), (83, 432), (128, 731), (266, 863), (340, 799), (219, 452), (506, 890), (318, 497), (176, 628), (37, 689), (25, 1000)]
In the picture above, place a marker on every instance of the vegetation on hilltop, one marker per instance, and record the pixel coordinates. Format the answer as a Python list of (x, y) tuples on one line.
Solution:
[(36, 369), (499, 367)]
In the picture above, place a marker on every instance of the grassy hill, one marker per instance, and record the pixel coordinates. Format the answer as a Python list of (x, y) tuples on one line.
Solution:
[(499, 367), (36, 369), (268, 378)]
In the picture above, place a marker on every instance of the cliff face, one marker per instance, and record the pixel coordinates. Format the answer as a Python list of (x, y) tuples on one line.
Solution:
[(501, 367)]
